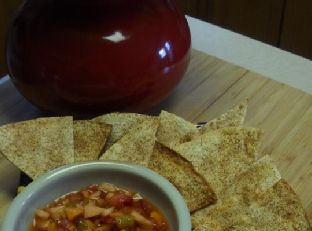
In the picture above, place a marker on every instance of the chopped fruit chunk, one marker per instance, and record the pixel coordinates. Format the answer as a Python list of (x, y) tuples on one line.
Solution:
[(99, 208), (73, 213), (42, 214), (140, 219), (92, 211)]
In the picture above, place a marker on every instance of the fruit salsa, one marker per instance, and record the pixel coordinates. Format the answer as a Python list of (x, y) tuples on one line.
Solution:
[(100, 207)]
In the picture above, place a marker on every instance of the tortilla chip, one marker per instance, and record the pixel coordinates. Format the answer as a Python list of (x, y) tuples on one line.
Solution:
[(208, 225), (240, 217), (241, 195), (136, 146), (309, 214), (194, 188), (232, 118), (120, 122), (174, 130), (220, 217), (37, 146), (223, 154), (258, 178), (244, 189), (89, 139), (283, 201), (278, 208)]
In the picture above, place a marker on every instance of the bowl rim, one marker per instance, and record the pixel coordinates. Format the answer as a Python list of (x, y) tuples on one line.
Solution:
[(180, 207)]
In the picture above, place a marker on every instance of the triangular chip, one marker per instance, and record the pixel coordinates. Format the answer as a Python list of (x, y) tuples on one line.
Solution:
[(89, 139), (240, 195), (174, 130), (283, 201), (222, 154), (309, 213), (120, 122), (240, 217), (278, 208), (232, 118), (193, 187), (37, 146), (221, 218), (136, 146), (208, 225), (256, 179)]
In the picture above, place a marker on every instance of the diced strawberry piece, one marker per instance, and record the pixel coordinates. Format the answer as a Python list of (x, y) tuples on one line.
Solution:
[(120, 200), (147, 207), (74, 197), (93, 187), (107, 220)]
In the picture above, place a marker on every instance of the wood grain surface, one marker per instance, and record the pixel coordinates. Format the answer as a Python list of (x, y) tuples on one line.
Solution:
[(209, 88)]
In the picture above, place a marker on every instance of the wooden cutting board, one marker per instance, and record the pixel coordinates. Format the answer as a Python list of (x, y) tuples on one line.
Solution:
[(209, 88)]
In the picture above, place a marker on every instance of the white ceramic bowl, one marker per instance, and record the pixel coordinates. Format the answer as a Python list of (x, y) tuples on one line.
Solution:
[(76, 176)]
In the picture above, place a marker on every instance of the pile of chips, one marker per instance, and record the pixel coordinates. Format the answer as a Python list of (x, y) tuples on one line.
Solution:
[(225, 182)]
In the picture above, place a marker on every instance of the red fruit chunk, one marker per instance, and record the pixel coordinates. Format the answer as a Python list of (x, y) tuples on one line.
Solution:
[(120, 200)]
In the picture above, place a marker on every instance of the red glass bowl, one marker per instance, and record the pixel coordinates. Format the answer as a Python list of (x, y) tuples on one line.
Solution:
[(93, 56)]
